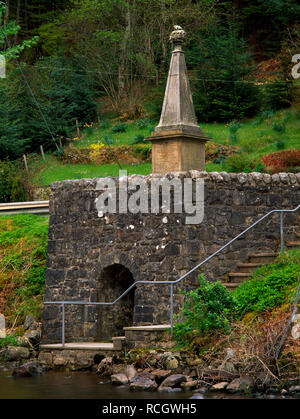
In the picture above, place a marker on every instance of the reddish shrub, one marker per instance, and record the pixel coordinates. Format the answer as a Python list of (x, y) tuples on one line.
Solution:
[(282, 161)]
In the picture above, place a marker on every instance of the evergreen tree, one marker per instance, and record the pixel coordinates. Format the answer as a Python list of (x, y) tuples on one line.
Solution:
[(224, 90)]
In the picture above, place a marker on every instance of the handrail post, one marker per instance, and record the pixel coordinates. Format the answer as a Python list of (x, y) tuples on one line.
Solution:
[(63, 324), (281, 232), (171, 307)]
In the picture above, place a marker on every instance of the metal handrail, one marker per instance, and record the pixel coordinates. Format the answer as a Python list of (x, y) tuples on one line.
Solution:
[(171, 283)]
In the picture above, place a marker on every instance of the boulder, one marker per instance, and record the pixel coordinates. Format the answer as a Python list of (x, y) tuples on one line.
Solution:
[(119, 379), (173, 380), (228, 366), (130, 371), (105, 366), (30, 323), (295, 331), (197, 396), (230, 354), (188, 385), (29, 369), (294, 389), (33, 336), (219, 386), (160, 375), (143, 382), (241, 385), (170, 362), (16, 353), (22, 341)]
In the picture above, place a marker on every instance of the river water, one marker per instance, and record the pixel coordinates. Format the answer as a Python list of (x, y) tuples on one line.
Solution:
[(81, 385)]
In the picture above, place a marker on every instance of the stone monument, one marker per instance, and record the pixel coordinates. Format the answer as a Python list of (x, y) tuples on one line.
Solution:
[(178, 143)]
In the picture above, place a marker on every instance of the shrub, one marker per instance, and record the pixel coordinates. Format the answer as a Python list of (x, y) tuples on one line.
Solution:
[(209, 308), (12, 178), (105, 124), (234, 126), (277, 95), (278, 126), (281, 161), (269, 287), (138, 139), (143, 123), (119, 128), (280, 144), (242, 162), (142, 151)]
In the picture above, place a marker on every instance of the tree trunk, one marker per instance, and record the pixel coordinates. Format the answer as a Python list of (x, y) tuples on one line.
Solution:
[(17, 19), (124, 51), (6, 17)]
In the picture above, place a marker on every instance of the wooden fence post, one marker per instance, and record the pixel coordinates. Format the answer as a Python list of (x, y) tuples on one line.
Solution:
[(25, 162), (42, 152), (78, 130)]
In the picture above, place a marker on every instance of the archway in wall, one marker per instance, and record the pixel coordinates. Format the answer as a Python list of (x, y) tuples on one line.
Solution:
[(113, 281)]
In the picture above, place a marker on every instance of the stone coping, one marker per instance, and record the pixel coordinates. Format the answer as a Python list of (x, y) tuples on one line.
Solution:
[(80, 345), (245, 179), (151, 328)]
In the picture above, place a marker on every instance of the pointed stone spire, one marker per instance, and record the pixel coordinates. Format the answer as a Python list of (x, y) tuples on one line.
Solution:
[(178, 143), (178, 109)]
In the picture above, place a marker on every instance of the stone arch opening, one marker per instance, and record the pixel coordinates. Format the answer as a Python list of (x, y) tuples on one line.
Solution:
[(113, 281)]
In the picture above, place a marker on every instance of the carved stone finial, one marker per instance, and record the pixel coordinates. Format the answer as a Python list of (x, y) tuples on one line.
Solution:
[(178, 35)]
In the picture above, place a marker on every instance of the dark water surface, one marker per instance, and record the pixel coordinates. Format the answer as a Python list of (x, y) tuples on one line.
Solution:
[(82, 385), (71, 385)]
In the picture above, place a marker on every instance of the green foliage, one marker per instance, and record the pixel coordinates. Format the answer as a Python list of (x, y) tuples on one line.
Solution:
[(242, 163), (9, 341), (12, 141), (278, 126), (280, 144), (23, 254), (209, 308), (11, 29), (269, 286), (143, 151), (12, 179), (264, 22), (277, 95), (138, 139), (234, 126), (143, 123), (223, 62), (119, 128), (64, 93)]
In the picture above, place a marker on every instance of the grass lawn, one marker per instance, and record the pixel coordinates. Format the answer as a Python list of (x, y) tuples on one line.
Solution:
[(267, 133), (257, 136), (54, 170), (23, 253)]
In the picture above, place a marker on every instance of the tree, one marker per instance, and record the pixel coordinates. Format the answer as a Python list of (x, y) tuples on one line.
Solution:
[(224, 90), (12, 141)]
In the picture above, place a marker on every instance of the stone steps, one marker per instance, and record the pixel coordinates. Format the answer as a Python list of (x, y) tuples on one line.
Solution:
[(255, 260), (135, 337), (293, 244), (99, 346), (147, 336), (248, 267)]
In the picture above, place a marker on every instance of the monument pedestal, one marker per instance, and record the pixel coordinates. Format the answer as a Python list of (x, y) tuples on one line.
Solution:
[(175, 151)]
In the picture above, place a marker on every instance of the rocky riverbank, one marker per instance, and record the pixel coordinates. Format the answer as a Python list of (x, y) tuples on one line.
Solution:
[(177, 371), (162, 370)]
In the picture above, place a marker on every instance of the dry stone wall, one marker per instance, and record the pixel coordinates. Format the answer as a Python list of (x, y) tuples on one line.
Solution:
[(153, 247)]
